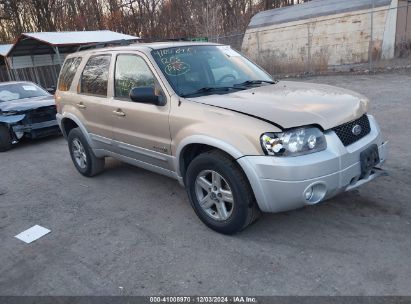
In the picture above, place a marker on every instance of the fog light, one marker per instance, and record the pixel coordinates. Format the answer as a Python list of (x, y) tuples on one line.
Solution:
[(309, 193), (315, 193)]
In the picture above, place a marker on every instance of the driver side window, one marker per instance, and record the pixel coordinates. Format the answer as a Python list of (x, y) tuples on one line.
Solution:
[(131, 72)]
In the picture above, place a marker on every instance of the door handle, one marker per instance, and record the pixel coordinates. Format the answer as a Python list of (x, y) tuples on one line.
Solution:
[(81, 105), (118, 112)]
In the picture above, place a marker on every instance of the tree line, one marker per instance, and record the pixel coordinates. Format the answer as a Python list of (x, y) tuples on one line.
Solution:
[(149, 19)]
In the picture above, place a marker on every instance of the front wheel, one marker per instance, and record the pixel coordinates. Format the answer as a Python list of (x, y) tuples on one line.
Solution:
[(220, 193), (83, 157)]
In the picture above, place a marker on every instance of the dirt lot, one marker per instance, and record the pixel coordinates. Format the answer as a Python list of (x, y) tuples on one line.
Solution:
[(132, 232)]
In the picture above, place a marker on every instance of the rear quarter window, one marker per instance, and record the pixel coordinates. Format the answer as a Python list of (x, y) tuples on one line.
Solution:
[(68, 72)]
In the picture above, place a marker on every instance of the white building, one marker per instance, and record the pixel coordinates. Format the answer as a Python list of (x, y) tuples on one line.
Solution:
[(323, 33)]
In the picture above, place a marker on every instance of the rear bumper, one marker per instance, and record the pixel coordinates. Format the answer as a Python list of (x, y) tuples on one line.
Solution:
[(281, 184)]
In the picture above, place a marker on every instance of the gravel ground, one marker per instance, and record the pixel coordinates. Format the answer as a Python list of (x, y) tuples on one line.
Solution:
[(132, 232)]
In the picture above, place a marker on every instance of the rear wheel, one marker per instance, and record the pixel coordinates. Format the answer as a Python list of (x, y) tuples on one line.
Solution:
[(5, 138), (83, 157), (220, 193)]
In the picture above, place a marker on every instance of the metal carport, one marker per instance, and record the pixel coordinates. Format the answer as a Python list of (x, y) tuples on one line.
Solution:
[(38, 57)]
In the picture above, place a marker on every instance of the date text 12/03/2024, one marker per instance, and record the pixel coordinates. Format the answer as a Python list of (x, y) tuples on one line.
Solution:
[(203, 299)]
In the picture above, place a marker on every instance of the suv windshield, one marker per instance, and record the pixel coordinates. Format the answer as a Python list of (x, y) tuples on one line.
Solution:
[(17, 91), (209, 69)]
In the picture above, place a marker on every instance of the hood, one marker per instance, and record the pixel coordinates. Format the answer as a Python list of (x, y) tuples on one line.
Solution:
[(294, 104), (26, 104)]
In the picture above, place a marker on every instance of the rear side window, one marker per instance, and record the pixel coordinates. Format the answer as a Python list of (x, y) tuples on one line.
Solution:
[(68, 72), (94, 78)]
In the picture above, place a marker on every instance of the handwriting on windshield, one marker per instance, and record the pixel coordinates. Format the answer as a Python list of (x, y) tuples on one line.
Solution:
[(174, 51), (176, 67), (171, 59)]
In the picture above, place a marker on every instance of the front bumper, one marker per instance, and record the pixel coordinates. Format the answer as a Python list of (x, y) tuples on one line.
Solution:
[(38, 130), (281, 184)]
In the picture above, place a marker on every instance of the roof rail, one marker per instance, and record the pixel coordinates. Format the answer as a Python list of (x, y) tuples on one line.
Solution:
[(100, 45), (188, 39)]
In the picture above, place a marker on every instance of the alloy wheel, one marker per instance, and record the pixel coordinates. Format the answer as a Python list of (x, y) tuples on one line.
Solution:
[(214, 195), (79, 153)]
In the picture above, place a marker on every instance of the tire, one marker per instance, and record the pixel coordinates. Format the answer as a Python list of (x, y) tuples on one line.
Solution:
[(202, 172), (5, 139), (82, 156)]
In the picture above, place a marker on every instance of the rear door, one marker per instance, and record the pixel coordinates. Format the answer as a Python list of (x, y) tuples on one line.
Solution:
[(93, 103), (141, 131)]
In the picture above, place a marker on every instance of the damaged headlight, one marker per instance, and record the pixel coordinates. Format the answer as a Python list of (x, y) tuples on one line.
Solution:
[(293, 142)]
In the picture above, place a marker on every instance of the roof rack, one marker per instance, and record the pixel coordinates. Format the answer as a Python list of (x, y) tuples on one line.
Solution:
[(100, 45), (188, 39)]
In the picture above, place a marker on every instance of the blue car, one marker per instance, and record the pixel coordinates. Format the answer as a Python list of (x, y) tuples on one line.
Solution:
[(26, 110)]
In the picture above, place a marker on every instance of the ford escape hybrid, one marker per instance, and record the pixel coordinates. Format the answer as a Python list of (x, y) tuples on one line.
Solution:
[(205, 115)]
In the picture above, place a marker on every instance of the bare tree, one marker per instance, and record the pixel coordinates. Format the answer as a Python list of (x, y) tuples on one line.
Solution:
[(151, 19)]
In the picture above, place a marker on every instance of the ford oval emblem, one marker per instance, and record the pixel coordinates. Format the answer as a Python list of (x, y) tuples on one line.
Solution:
[(356, 130)]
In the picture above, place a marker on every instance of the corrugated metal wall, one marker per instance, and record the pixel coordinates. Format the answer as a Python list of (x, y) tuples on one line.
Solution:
[(4, 75), (35, 61), (45, 76), (41, 69)]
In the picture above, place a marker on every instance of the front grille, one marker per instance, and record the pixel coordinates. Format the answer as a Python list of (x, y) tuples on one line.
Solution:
[(41, 115), (346, 134)]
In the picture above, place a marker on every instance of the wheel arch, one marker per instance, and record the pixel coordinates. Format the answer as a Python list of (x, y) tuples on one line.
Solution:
[(69, 122), (67, 125), (9, 127), (190, 147), (202, 142)]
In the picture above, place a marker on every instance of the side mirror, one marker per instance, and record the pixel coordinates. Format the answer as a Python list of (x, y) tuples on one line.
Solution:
[(146, 95), (51, 90)]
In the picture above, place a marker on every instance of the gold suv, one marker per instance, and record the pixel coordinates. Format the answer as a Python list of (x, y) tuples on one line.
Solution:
[(239, 141)]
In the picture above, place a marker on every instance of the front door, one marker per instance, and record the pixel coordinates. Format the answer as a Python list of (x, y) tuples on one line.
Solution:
[(141, 131)]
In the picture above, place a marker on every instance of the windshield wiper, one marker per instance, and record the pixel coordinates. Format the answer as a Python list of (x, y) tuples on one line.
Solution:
[(253, 82), (211, 90)]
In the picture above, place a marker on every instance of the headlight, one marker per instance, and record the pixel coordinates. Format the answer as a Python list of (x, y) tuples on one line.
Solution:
[(293, 142)]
